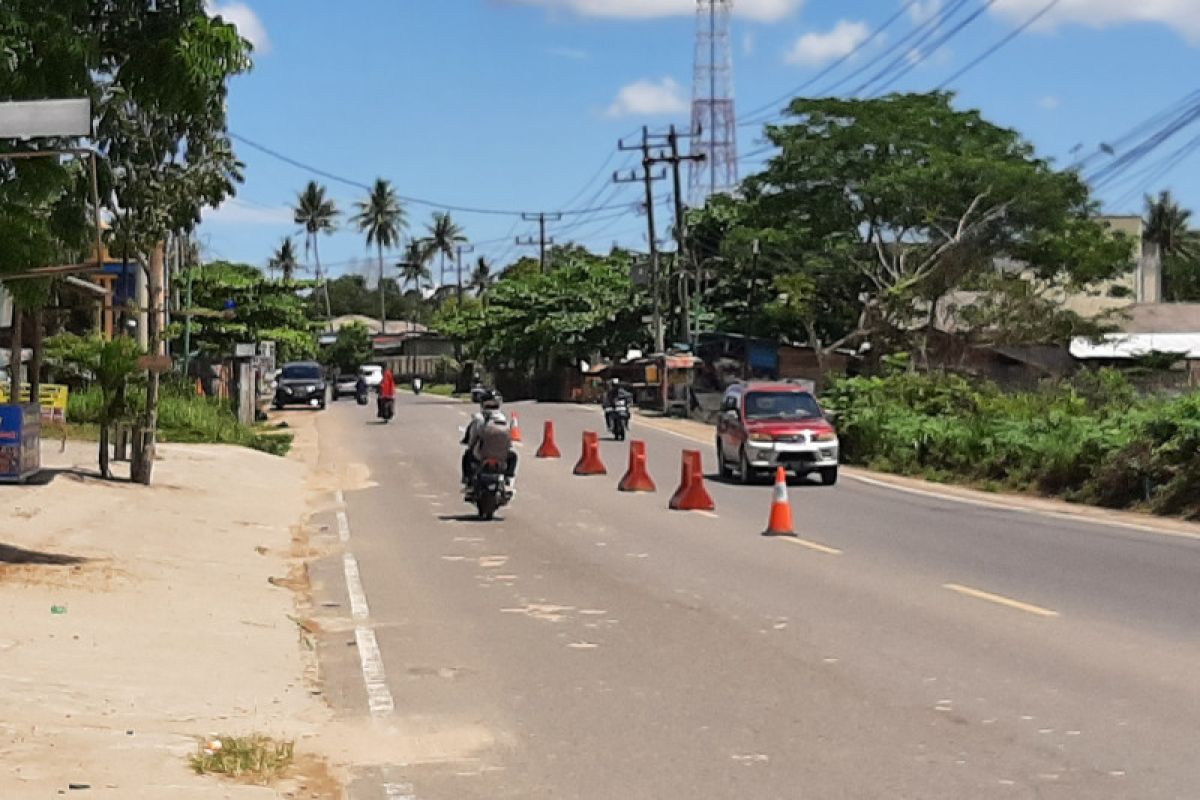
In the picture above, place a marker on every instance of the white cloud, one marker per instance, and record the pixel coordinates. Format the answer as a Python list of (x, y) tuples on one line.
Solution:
[(758, 10), (815, 49), (924, 9), (242, 17), (570, 53), (649, 98), (237, 212), (1181, 15), (1050, 103)]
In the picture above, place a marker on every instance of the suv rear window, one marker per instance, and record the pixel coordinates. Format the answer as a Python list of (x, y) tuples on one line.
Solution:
[(781, 405)]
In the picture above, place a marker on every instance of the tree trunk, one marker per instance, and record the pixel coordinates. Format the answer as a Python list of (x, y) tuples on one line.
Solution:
[(382, 296), (14, 354), (145, 433), (35, 363), (102, 456), (324, 284)]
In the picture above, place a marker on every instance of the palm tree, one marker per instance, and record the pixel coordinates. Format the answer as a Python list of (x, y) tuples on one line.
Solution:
[(444, 236), (381, 217), (481, 278), (284, 260), (414, 270), (1167, 226), (317, 214)]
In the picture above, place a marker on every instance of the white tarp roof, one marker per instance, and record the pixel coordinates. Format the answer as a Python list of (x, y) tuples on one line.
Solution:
[(1135, 345)]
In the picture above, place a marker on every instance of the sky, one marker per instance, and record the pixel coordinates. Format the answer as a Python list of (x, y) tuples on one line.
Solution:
[(518, 105)]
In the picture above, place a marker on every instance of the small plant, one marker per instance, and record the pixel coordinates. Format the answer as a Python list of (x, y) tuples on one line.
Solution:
[(253, 759)]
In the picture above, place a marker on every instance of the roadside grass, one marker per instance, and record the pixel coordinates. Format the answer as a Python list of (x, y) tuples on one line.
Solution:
[(254, 759), (183, 418), (440, 389)]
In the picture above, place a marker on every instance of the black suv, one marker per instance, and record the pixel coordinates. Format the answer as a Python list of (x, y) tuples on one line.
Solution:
[(301, 383)]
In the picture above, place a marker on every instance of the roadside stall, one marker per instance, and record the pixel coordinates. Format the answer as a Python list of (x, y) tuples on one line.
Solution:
[(659, 383), (20, 442)]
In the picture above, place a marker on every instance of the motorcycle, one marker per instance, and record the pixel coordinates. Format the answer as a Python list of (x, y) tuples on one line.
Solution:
[(489, 490), (618, 419), (417, 384), (360, 394), (387, 409)]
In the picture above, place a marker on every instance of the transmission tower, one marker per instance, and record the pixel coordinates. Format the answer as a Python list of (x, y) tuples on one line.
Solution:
[(714, 123)]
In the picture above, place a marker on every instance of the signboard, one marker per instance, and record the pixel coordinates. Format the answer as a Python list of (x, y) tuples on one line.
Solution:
[(51, 397), (29, 119), (155, 363), (20, 442)]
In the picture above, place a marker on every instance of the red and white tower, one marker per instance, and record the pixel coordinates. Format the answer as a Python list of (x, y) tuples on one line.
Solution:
[(714, 121)]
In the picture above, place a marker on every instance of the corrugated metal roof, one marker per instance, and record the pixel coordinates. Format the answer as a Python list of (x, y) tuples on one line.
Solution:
[(1136, 345)]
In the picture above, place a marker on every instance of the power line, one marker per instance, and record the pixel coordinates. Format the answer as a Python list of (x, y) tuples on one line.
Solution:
[(922, 54), (875, 34), (988, 53), (406, 198)]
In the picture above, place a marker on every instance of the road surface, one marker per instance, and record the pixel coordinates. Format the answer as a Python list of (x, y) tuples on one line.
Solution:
[(595, 645)]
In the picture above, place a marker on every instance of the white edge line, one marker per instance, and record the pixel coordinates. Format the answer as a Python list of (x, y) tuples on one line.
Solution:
[(354, 587), (379, 697), (1077, 518)]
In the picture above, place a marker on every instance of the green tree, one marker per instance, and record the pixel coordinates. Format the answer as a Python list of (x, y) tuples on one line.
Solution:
[(381, 217), (922, 198), (414, 270), (445, 236), (318, 215), (586, 306), (1167, 225), (234, 303), (350, 350), (284, 260), (481, 277)]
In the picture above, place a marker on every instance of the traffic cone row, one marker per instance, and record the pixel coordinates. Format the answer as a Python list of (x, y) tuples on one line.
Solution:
[(692, 494), (516, 428)]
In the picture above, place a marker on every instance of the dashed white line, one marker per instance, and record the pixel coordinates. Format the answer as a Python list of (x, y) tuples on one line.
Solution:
[(379, 697), (343, 525), (354, 587), (399, 791), (339, 497)]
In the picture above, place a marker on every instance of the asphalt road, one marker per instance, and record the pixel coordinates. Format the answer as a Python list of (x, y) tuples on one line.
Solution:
[(592, 644)]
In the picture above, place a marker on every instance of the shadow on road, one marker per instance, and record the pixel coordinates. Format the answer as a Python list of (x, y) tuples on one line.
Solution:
[(465, 518), (18, 555)]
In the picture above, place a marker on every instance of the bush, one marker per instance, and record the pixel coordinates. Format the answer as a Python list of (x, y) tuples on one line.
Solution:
[(1091, 439), (185, 417)]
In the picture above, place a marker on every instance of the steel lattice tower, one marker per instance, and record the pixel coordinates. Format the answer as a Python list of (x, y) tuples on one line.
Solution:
[(714, 122)]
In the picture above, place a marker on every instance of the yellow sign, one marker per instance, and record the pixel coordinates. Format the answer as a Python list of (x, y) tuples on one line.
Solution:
[(51, 397)]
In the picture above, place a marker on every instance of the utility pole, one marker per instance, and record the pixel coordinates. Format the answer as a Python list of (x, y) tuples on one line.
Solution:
[(756, 249), (541, 218), (676, 160), (648, 177), (462, 249)]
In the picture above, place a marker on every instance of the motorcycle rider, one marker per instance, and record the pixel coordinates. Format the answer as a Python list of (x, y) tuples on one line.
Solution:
[(616, 394), (387, 395), (488, 437)]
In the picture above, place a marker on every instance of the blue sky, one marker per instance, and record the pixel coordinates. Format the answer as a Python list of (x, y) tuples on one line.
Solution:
[(518, 104)]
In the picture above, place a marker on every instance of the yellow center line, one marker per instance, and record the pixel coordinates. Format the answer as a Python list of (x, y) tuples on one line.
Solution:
[(978, 594), (820, 548)]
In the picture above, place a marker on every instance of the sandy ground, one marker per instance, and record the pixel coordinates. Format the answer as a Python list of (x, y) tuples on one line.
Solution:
[(178, 620)]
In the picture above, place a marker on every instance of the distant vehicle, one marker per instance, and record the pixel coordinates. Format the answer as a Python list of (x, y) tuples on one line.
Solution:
[(373, 373), (300, 383), (345, 385), (767, 425)]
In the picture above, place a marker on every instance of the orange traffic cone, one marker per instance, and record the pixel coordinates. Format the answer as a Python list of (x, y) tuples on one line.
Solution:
[(637, 478), (780, 522), (589, 462), (516, 428), (549, 448), (691, 494)]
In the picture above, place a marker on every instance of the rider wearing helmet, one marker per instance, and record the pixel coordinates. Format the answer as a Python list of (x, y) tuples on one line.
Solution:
[(616, 393), (488, 438)]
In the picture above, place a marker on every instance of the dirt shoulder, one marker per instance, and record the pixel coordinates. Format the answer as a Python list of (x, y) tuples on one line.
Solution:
[(137, 620), (703, 434)]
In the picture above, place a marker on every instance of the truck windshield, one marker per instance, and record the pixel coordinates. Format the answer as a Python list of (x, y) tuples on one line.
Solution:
[(781, 405)]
